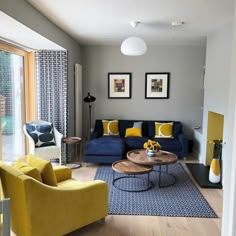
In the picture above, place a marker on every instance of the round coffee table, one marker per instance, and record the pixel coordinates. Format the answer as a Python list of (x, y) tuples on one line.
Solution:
[(139, 156), (131, 170)]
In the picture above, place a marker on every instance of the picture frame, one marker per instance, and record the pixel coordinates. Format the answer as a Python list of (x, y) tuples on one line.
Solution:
[(157, 85), (119, 85)]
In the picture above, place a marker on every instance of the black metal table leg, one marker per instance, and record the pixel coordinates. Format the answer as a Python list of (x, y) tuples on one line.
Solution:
[(149, 183), (165, 173)]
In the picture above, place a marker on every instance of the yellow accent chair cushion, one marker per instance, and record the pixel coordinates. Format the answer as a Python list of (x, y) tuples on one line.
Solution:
[(62, 173), (27, 170), (45, 169), (38, 209), (133, 132), (110, 127), (163, 130)]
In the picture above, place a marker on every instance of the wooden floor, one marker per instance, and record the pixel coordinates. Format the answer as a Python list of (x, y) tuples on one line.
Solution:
[(123, 225)]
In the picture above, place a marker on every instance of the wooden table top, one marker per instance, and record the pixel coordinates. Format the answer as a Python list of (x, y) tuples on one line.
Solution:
[(71, 140), (139, 156), (128, 167)]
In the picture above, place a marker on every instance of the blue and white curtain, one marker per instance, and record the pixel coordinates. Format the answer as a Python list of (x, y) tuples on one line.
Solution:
[(52, 88)]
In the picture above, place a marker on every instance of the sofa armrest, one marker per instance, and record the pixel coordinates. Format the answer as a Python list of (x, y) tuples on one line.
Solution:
[(30, 140), (65, 208), (62, 173), (184, 142), (58, 137)]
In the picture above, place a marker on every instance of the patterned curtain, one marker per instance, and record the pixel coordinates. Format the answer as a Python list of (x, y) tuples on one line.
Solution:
[(52, 88)]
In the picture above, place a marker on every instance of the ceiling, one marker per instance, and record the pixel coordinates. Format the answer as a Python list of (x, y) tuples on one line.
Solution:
[(106, 22), (21, 35)]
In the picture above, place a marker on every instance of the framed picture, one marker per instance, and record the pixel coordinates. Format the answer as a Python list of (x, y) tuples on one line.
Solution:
[(157, 85), (119, 85)]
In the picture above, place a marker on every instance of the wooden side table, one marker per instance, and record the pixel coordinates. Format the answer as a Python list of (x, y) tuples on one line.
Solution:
[(76, 141), (131, 170)]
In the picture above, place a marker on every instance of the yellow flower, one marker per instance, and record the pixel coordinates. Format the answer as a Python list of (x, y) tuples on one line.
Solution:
[(152, 145)]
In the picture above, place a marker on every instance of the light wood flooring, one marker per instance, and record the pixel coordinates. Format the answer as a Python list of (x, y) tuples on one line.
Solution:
[(123, 225), (128, 225)]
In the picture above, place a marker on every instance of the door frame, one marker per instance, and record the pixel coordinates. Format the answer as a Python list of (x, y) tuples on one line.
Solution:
[(29, 84)]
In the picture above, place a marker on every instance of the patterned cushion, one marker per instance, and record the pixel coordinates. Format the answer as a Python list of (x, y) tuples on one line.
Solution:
[(163, 130), (110, 127), (42, 134)]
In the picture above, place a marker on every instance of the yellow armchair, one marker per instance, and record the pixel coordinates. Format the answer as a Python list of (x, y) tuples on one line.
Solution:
[(38, 209)]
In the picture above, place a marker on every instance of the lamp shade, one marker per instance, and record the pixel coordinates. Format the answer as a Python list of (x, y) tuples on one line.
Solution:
[(133, 46), (89, 98)]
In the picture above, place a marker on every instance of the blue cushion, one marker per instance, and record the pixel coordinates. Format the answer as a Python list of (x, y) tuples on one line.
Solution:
[(123, 125), (169, 144), (105, 145), (177, 129), (135, 142), (42, 134)]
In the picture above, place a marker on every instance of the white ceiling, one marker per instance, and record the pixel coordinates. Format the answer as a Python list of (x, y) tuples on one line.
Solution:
[(106, 22), (14, 32)]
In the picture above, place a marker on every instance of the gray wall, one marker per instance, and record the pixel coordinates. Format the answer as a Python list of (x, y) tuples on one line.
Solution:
[(185, 64), (23, 12)]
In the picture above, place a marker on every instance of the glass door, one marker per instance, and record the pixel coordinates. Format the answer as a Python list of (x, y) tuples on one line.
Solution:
[(12, 105)]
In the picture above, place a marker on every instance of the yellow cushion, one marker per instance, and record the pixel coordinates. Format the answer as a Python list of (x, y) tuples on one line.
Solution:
[(45, 169), (62, 173), (131, 132), (163, 130), (110, 127), (27, 170)]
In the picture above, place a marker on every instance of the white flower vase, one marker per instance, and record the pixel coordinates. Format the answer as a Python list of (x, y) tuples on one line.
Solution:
[(214, 173)]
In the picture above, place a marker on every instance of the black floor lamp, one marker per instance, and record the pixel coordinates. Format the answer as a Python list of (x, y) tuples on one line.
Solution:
[(89, 99)]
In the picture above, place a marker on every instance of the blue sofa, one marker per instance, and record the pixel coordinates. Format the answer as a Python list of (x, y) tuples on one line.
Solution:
[(107, 149)]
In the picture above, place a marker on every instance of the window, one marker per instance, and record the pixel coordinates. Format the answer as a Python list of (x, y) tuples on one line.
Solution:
[(17, 99)]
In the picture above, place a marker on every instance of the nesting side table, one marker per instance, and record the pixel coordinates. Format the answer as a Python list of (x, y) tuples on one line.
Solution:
[(76, 141)]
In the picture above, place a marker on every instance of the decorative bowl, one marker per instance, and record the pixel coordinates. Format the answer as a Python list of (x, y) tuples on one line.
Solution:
[(151, 153)]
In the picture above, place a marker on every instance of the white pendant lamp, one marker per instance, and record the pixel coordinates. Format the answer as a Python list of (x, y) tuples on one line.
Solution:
[(133, 46)]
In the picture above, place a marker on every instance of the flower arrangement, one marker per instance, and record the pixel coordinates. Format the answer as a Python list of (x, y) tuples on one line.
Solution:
[(152, 145)]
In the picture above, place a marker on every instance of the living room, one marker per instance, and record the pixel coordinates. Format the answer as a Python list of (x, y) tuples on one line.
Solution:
[(201, 81)]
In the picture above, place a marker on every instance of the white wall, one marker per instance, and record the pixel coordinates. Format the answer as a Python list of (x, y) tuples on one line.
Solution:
[(185, 64), (217, 79), (229, 198)]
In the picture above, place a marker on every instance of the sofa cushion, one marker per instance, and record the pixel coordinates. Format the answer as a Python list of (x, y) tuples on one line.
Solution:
[(177, 128), (27, 170), (110, 127), (138, 124), (133, 132), (45, 169), (105, 145), (169, 144), (135, 142), (163, 130), (42, 134), (124, 124)]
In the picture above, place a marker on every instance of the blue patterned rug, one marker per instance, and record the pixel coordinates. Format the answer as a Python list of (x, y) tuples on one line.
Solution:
[(180, 200)]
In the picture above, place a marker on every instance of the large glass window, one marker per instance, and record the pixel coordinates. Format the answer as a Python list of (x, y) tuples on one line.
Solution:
[(13, 105)]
